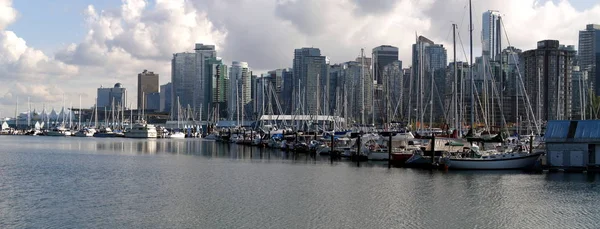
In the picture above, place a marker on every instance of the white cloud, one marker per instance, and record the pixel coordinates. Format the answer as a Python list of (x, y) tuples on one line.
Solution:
[(7, 13)]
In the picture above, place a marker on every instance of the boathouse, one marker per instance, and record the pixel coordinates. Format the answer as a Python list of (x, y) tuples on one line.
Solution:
[(573, 145)]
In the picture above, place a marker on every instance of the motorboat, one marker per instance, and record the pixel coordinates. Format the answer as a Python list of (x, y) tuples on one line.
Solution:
[(176, 134), (142, 130), (59, 131), (105, 132), (85, 133)]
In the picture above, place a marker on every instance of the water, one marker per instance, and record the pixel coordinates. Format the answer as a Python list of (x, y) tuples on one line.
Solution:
[(54, 182)]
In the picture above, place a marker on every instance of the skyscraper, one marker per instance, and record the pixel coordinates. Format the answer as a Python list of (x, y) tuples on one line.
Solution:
[(147, 83), (548, 73), (188, 76), (491, 34), (166, 95), (359, 102), (286, 94), (183, 78), (217, 86), (310, 69), (382, 56), (203, 52), (429, 63), (589, 54), (239, 90), (392, 91)]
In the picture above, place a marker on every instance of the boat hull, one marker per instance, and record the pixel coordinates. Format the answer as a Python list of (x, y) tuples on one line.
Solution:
[(517, 162), (400, 158), (378, 156), (141, 135)]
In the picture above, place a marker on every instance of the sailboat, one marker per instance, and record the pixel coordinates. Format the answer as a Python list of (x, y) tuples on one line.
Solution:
[(515, 158), (177, 133)]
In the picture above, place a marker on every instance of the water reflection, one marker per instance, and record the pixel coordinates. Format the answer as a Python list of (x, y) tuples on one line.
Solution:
[(199, 147)]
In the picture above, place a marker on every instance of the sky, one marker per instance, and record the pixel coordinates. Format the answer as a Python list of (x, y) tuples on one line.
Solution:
[(50, 50)]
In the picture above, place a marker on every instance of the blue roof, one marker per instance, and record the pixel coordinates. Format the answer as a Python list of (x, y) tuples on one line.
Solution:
[(557, 130), (583, 131), (587, 130)]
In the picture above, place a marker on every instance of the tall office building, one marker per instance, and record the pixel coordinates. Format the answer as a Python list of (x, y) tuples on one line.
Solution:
[(514, 102), (152, 102), (491, 34), (239, 90), (147, 83), (286, 94), (580, 94), (393, 90), (216, 88), (310, 69), (357, 83), (183, 78), (429, 63), (166, 95), (203, 52), (382, 56), (336, 81), (589, 54), (417, 84), (548, 73), (188, 76)]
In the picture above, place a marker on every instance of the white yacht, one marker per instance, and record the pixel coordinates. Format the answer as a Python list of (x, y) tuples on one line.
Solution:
[(59, 131), (176, 134), (142, 130), (85, 133)]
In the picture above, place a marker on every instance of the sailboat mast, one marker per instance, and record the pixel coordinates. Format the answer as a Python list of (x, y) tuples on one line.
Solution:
[(431, 99), (17, 114), (79, 118), (455, 84), (28, 113), (362, 86), (96, 113), (472, 118)]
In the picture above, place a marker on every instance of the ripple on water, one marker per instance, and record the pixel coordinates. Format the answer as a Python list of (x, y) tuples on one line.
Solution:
[(124, 183)]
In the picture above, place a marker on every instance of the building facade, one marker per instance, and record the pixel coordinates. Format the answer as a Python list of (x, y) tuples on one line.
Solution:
[(491, 34), (166, 95), (200, 101), (311, 71), (589, 54), (240, 94), (548, 73), (183, 79), (147, 83), (217, 88), (108, 98), (382, 56)]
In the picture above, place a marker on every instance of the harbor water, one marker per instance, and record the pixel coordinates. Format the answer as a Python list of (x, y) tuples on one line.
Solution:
[(68, 182)]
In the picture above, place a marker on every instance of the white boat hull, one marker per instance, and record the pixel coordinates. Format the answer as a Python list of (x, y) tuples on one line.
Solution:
[(58, 134), (141, 135), (79, 134), (177, 135), (510, 161)]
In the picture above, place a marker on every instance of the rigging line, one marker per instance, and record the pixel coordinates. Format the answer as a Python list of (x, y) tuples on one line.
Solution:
[(462, 46), (521, 81), (495, 92)]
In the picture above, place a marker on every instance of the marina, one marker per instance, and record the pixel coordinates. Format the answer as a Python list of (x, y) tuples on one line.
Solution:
[(79, 182)]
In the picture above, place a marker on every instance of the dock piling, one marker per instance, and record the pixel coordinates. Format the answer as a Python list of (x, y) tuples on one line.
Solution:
[(390, 151)]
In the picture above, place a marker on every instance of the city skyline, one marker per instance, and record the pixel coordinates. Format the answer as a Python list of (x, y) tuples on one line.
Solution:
[(105, 57)]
